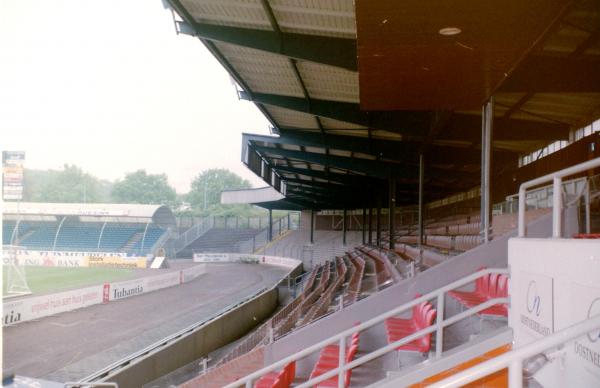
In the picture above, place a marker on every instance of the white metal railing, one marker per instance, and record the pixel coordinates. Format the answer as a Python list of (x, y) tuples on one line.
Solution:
[(341, 338), (540, 197), (514, 359), (193, 233), (556, 178)]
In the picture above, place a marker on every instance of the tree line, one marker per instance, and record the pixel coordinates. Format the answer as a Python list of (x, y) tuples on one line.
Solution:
[(73, 185)]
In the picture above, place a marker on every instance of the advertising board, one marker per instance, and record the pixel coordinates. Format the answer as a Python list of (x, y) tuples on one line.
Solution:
[(122, 290), (162, 281), (211, 257), (192, 273), (112, 261), (15, 311), (12, 174), (77, 259)]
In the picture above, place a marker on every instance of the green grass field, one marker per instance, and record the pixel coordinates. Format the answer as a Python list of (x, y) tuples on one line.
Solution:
[(53, 279)]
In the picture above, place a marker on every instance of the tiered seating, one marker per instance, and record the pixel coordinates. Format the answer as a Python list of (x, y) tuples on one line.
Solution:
[(329, 360), (320, 308), (78, 237), (42, 236), (281, 379), (221, 240), (153, 234), (115, 237), (486, 287), (8, 228), (81, 236), (382, 270), (423, 316), (355, 283)]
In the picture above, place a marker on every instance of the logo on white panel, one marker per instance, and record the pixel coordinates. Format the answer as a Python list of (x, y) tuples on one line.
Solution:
[(594, 310), (533, 299)]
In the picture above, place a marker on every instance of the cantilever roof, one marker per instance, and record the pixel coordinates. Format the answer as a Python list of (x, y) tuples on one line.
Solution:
[(346, 83), (160, 214)]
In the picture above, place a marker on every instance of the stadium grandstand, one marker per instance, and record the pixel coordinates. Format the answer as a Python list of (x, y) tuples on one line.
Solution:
[(132, 229), (444, 157)]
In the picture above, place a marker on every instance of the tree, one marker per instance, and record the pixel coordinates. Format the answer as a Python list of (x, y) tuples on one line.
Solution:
[(70, 184), (205, 194), (141, 187)]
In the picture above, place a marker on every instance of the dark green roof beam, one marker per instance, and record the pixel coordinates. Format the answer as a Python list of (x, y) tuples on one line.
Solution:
[(412, 123), (392, 150), (340, 52), (415, 124)]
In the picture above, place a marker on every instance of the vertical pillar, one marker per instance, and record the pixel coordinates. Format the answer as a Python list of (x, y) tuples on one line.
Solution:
[(378, 225), (392, 211), (364, 226), (421, 180), (487, 127), (312, 226), (270, 232), (344, 226), (370, 224)]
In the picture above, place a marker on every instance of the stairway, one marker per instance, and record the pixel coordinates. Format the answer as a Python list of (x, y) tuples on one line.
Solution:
[(137, 236)]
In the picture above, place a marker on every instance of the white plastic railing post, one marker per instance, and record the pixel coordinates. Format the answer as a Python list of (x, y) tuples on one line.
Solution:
[(557, 207), (439, 333), (522, 209), (341, 363), (588, 221), (515, 373)]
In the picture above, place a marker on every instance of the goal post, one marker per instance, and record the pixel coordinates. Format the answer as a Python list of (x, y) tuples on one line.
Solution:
[(16, 275)]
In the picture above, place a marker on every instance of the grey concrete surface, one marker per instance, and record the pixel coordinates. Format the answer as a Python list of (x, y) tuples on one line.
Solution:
[(73, 345)]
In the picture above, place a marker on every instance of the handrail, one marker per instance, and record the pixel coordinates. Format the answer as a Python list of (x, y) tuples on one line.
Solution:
[(340, 338), (514, 359), (556, 178)]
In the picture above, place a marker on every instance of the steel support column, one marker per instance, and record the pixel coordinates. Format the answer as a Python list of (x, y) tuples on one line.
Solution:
[(270, 232), (344, 226), (392, 211), (487, 130), (364, 225), (312, 226), (370, 224), (378, 225), (420, 219)]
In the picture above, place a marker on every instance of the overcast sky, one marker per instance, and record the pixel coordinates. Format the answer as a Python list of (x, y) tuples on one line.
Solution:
[(109, 86)]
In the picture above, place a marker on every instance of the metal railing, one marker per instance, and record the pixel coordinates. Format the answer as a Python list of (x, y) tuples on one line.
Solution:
[(192, 234), (539, 198), (514, 359), (261, 239), (556, 178), (341, 338)]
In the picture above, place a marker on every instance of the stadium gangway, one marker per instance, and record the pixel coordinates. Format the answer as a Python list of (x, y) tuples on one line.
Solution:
[(340, 339), (556, 178), (513, 360)]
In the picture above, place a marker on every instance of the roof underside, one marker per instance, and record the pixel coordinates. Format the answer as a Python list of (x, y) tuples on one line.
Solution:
[(348, 119)]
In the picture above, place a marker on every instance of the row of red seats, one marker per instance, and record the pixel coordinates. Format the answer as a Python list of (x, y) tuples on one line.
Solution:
[(281, 379), (329, 360), (486, 287), (423, 316), (587, 235)]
